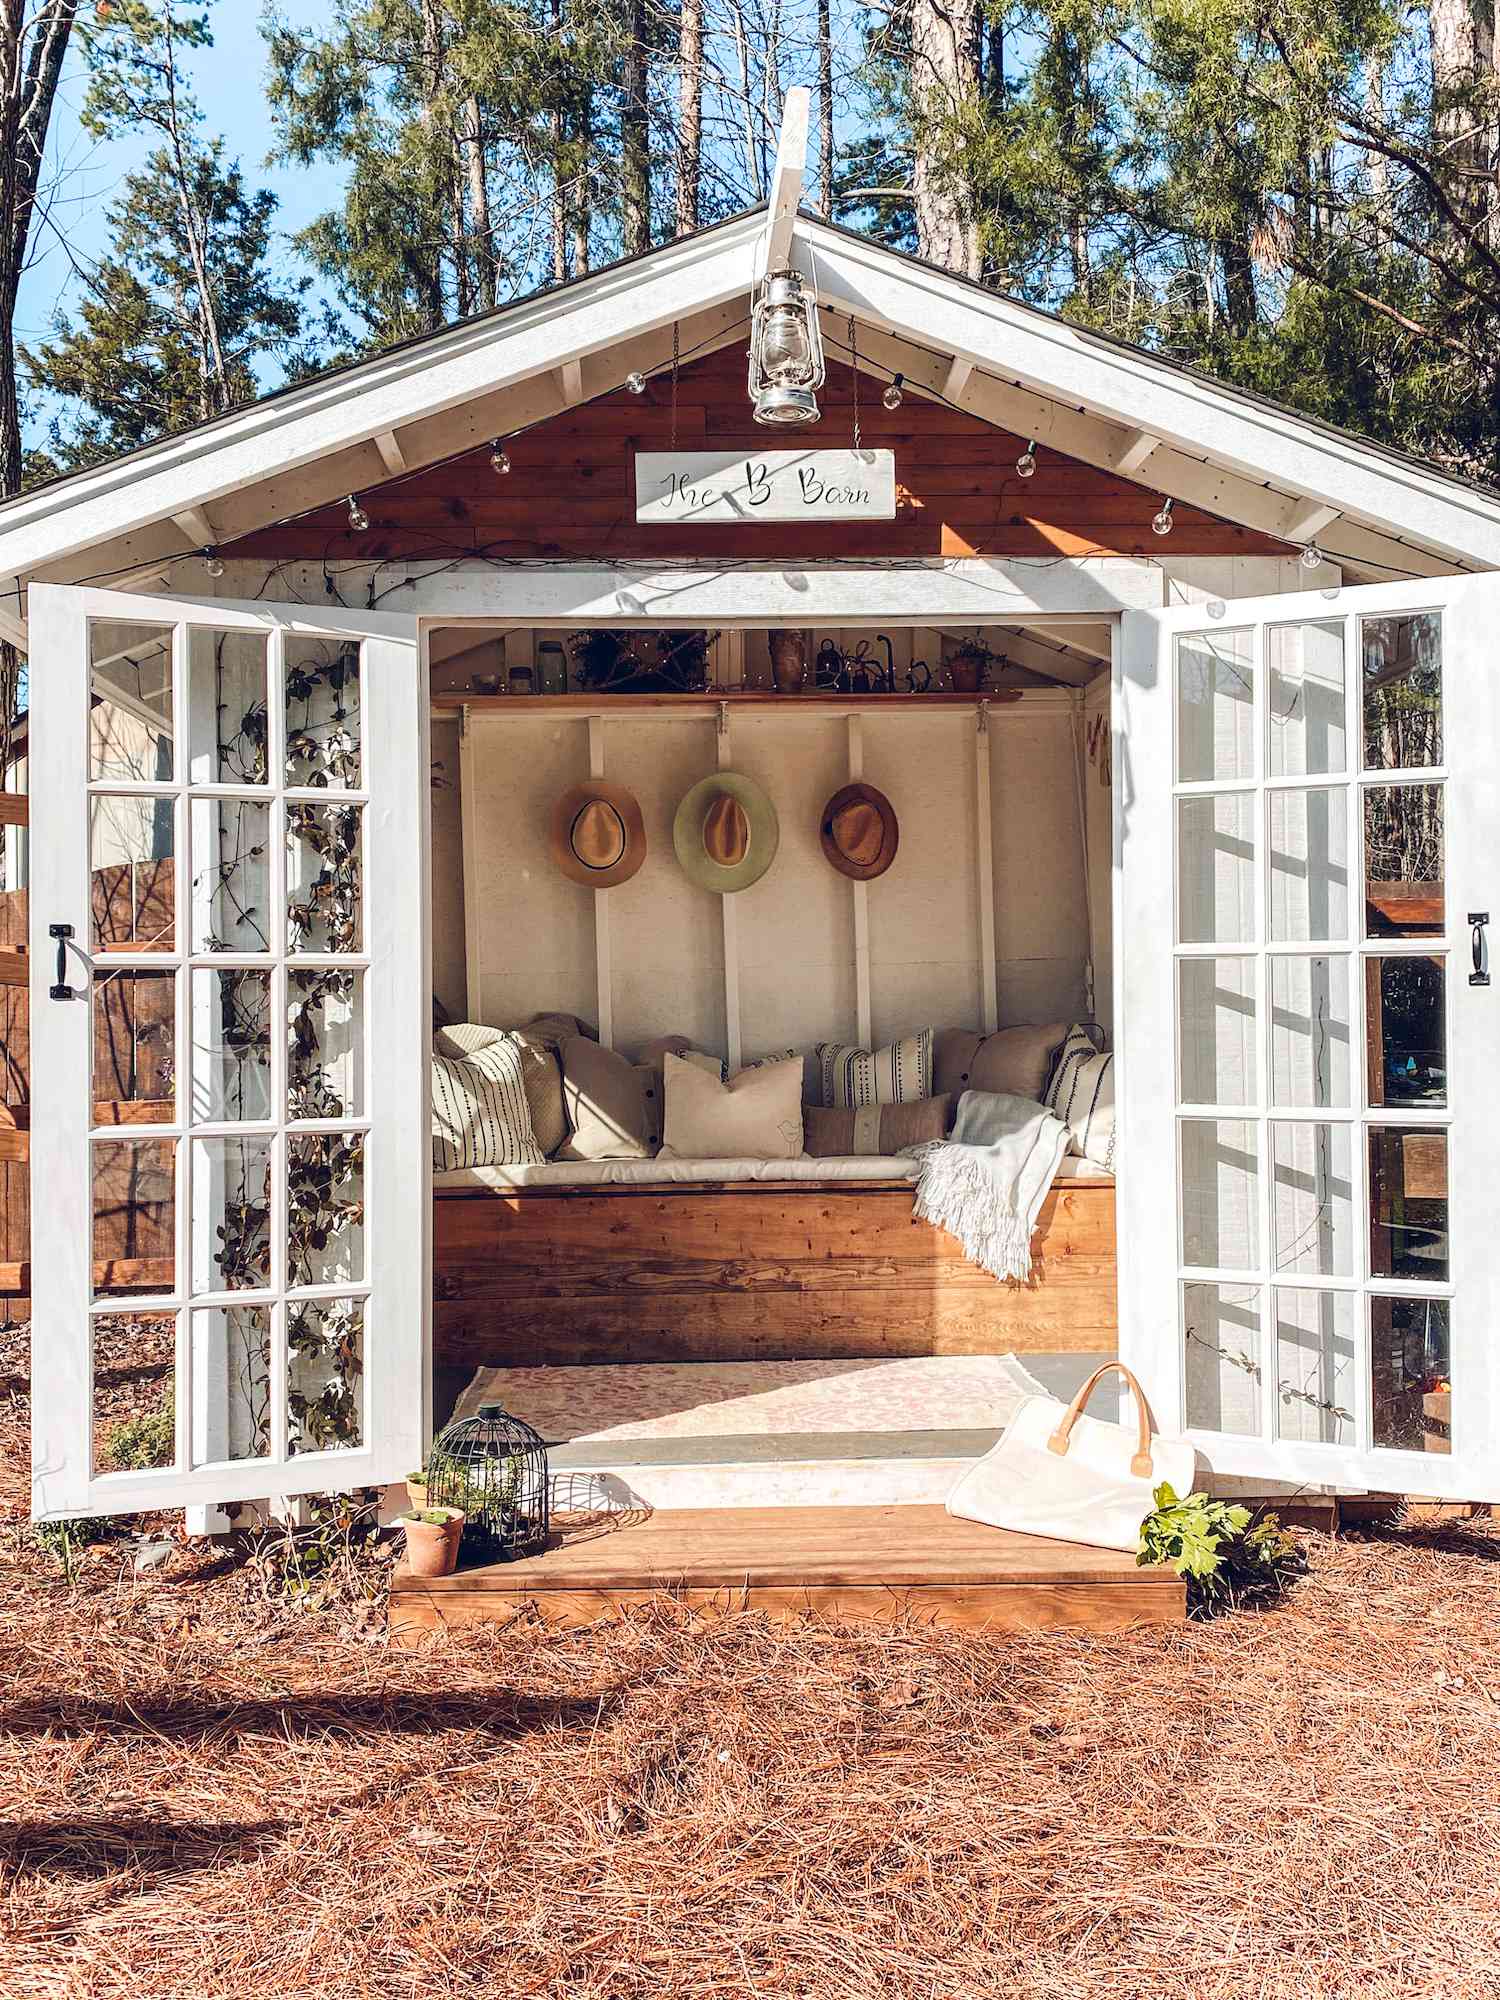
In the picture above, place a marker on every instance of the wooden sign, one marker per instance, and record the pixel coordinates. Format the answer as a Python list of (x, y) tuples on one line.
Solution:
[(721, 488)]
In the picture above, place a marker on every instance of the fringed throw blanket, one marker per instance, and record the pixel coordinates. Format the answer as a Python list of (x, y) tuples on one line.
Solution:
[(986, 1184)]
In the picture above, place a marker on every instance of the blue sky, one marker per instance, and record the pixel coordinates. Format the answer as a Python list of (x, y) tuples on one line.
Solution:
[(228, 82)]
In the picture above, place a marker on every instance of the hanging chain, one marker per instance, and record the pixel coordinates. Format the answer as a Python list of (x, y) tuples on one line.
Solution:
[(676, 343), (854, 364)]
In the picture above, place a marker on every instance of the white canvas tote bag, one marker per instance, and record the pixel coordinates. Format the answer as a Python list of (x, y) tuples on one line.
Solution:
[(1057, 1472)]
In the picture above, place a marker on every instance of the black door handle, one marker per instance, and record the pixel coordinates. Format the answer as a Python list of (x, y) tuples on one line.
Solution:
[(1478, 919), (60, 989)]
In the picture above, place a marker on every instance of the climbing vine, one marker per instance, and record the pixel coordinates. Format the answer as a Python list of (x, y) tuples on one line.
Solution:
[(325, 1170)]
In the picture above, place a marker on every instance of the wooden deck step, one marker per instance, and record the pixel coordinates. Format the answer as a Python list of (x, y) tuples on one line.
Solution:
[(836, 1562)]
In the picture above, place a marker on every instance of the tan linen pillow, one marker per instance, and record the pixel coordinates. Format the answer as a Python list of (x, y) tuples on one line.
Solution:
[(757, 1115), (648, 1069), (604, 1102), (1016, 1061), (554, 1029), (875, 1128), (541, 1075)]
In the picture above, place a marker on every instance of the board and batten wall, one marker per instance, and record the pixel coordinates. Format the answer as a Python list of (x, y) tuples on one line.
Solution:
[(793, 932)]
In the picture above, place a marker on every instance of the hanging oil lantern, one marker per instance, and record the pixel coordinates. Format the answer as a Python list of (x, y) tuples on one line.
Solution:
[(786, 353)]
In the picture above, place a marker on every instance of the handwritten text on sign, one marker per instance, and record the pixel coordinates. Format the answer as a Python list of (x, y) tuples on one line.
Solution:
[(708, 488)]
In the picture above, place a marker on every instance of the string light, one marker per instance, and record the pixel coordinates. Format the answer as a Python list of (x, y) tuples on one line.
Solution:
[(359, 520), (892, 397), (1026, 463), (1311, 556), (499, 456), (211, 562), (1161, 522), (635, 382)]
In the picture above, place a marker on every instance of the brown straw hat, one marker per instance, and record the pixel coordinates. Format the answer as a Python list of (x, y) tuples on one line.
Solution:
[(597, 834), (859, 832)]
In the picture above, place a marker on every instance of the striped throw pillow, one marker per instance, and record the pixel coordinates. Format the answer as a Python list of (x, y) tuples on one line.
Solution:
[(480, 1117), (1082, 1095), (849, 1078)]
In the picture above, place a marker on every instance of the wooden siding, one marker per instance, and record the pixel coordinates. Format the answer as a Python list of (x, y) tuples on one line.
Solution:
[(753, 1273), (571, 493)]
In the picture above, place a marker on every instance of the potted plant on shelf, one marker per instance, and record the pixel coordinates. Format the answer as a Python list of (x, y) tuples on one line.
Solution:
[(432, 1538), (968, 664), (416, 1488)]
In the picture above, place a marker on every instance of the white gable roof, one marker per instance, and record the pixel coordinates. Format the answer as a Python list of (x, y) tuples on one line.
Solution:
[(1091, 397)]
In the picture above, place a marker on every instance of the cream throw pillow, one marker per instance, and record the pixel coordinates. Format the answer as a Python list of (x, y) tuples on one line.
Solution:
[(851, 1077), (480, 1116), (1082, 1095), (648, 1068), (541, 1073), (757, 1115)]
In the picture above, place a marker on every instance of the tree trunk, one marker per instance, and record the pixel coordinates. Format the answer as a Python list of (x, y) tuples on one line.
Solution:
[(1463, 61), (944, 81), (689, 114), (635, 139), (432, 85), (825, 107), (31, 60), (486, 265), (581, 199)]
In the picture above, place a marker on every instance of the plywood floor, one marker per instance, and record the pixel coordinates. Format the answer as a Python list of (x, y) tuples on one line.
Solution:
[(843, 1562)]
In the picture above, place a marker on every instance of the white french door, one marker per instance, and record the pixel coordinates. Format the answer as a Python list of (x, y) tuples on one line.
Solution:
[(230, 1160), (1307, 858)]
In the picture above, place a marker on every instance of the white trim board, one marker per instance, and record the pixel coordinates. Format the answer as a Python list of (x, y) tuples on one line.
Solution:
[(969, 590)]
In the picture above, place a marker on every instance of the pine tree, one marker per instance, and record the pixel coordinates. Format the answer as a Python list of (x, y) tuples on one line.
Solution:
[(137, 361)]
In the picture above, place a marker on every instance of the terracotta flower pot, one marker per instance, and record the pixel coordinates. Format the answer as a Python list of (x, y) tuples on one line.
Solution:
[(416, 1494), (966, 669), (432, 1546)]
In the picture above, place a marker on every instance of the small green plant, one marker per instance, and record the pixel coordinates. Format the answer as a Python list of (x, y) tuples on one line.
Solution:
[(67, 1540), (433, 1517), (1213, 1545), (141, 1443)]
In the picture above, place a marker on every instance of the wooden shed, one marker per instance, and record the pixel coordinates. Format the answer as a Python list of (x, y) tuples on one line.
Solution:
[(1184, 712)]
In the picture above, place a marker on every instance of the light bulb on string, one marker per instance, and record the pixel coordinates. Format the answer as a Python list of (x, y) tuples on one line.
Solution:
[(211, 562), (892, 398), (499, 456), (635, 382), (359, 520), (1311, 556), (1161, 521), (1026, 463)]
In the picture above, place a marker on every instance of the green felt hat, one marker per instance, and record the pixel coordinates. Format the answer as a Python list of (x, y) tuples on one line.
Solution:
[(725, 832)]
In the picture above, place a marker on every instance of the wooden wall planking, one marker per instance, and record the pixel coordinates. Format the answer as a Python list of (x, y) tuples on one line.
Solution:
[(808, 964), (571, 491)]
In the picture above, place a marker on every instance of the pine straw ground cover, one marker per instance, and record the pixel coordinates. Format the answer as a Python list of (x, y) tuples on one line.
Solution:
[(207, 1794)]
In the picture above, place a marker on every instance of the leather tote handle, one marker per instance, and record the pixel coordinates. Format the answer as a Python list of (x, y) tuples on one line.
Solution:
[(1140, 1465)]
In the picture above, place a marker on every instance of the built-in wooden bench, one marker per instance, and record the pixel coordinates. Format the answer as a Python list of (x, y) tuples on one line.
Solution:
[(753, 1271)]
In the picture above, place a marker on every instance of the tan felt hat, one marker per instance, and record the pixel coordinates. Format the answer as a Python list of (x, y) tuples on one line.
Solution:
[(859, 832), (725, 832), (597, 834)]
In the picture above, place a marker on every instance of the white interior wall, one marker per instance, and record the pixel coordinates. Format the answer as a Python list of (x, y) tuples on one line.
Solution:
[(794, 929)]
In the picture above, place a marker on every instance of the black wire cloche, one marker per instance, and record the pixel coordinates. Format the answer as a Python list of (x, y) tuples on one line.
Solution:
[(494, 1467)]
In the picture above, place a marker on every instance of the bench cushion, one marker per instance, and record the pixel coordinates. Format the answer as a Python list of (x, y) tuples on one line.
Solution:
[(685, 1173)]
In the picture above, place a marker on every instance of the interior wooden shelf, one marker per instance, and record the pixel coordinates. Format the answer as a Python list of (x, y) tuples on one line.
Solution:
[(452, 702)]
